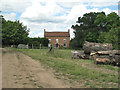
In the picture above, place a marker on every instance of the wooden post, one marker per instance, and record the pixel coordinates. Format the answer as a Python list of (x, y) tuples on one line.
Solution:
[(32, 46), (27, 46), (40, 46)]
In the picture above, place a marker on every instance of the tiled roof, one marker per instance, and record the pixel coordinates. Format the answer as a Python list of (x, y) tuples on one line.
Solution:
[(56, 34)]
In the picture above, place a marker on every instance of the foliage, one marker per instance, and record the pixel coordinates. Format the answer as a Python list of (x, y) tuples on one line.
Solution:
[(13, 32), (96, 27), (85, 29), (112, 24), (38, 41), (112, 37)]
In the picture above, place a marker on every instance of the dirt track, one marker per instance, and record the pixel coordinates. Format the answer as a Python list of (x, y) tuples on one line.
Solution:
[(21, 71)]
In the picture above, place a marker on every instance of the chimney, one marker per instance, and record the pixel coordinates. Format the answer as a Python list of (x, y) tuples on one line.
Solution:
[(44, 30), (69, 30), (44, 33)]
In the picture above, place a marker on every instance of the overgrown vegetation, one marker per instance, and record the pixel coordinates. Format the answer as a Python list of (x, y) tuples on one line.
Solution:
[(82, 71)]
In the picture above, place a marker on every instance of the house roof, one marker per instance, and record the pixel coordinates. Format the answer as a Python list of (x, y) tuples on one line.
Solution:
[(56, 34)]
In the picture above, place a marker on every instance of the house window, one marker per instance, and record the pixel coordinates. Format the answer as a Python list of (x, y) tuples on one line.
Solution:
[(64, 45), (57, 40), (49, 40), (64, 40)]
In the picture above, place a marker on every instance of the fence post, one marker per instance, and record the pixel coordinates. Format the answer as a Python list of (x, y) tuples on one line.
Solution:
[(40, 46), (27, 46), (32, 46)]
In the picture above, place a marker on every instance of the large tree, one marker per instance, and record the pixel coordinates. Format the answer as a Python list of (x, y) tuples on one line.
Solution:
[(14, 32), (85, 29), (111, 23), (96, 27)]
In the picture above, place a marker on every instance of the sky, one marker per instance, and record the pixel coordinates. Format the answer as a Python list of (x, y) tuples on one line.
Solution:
[(52, 15)]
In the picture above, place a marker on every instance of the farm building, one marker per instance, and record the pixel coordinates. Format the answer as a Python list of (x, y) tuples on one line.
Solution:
[(58, 39)]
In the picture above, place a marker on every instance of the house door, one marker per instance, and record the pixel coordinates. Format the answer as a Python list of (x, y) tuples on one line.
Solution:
[(56, 45)]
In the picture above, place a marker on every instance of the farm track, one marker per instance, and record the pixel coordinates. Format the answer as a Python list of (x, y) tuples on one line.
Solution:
[(21, 71)]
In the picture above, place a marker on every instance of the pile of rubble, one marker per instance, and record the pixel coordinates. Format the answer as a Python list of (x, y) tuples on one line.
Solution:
[(100, 53)]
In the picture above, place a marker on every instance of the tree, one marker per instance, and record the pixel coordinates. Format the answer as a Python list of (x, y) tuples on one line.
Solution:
[(86, 29), (110, 28), (14, 32), (96, 27), (112, 20), (101, 22), (113, 37), (37, 41)]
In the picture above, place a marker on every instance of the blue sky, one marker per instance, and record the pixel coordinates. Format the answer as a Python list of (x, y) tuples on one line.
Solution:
[(52, 15)]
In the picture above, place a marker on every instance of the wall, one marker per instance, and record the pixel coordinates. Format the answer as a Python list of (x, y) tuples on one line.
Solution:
[(61, 41)]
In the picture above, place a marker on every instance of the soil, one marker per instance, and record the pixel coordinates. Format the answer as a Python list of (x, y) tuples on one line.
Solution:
[(21, 71)]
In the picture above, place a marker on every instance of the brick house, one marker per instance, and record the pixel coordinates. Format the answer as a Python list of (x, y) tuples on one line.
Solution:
[(58, 39)]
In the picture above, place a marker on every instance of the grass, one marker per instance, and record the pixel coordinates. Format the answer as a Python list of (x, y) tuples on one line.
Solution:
[(109, 67), (40, 86), (74, 69), (35, 84), (24, 83), (14, 75), (19, 78), (30, 79), (15, 82), (27, 77)]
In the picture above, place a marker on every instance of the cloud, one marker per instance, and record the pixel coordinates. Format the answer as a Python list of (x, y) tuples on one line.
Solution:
[(53, 15), (102, 3), (10, 16), (91, 3), (43, 13), (14, 5), (21, 5), (46, 15), (75, 12)]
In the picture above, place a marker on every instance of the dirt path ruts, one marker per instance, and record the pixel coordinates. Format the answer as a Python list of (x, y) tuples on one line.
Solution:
[(21, 71)]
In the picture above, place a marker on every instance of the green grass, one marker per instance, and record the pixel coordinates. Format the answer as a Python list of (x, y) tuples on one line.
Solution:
[(61, 61), (109, 67), (19, 78), (24, 83), (27, 77)]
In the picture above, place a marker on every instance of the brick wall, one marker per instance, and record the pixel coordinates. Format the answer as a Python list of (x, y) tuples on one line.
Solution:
[(58, 35), (61, 41)]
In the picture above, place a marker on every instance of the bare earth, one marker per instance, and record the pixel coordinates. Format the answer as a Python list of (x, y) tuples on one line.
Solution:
[(21, 71)]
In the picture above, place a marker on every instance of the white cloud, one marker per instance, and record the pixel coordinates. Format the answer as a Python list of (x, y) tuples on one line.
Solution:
[(52, 15), (92, 3), (14, 5), (77, 11), (40, 13), (102, 3), (11, 16), (21, 5)]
